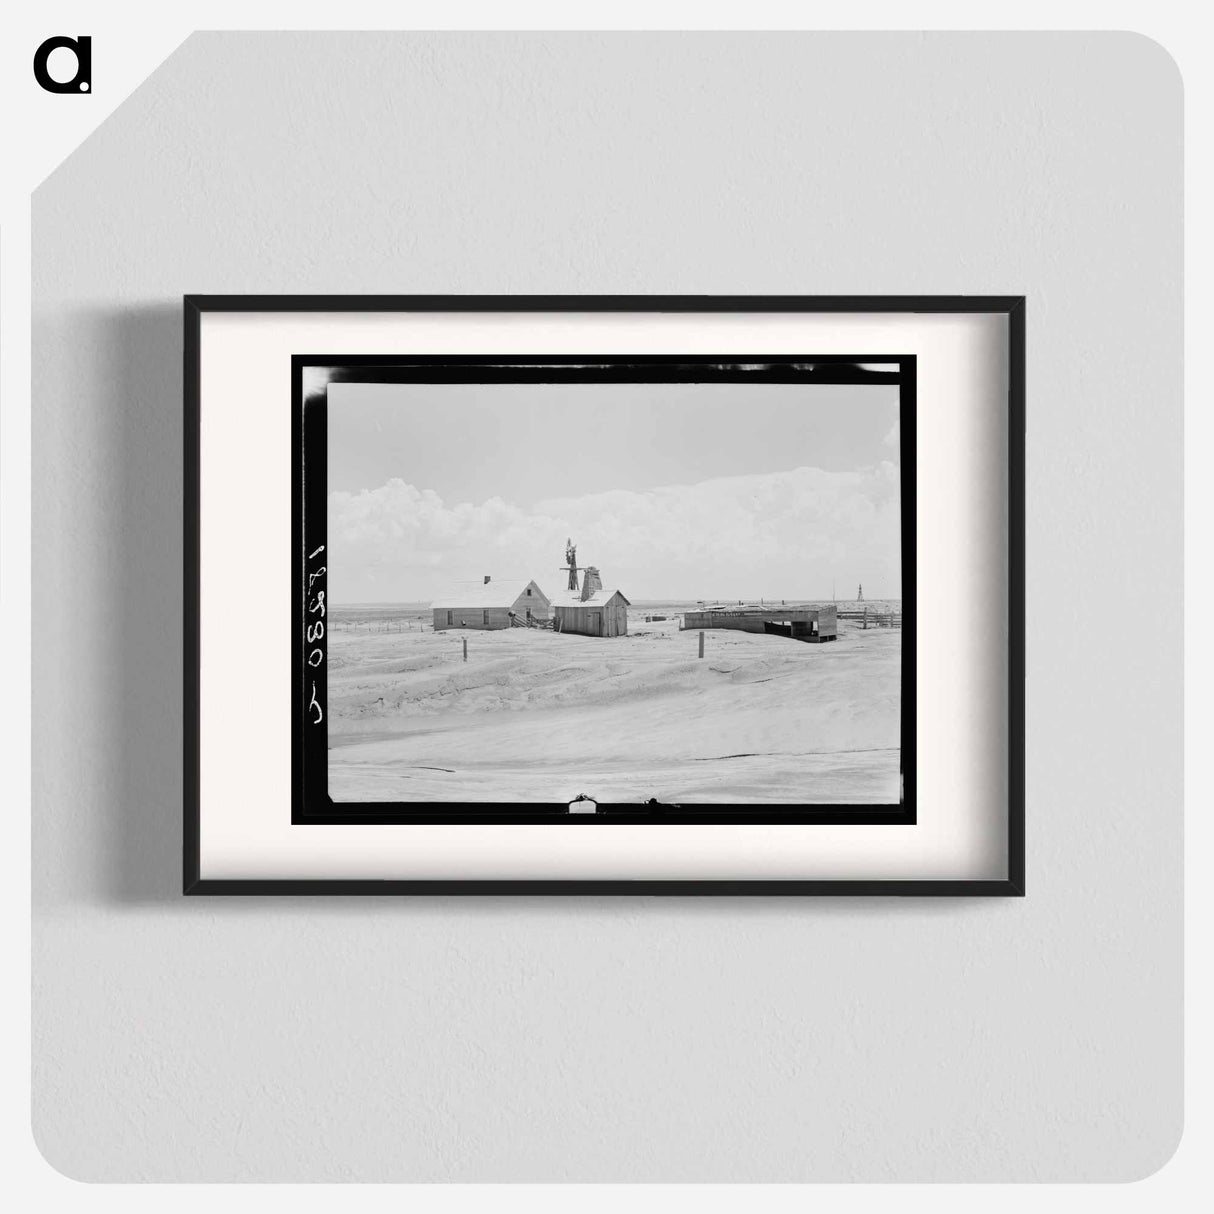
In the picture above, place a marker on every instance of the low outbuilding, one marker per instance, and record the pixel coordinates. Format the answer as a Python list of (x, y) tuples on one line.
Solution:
[(802, 623), (593, 611)]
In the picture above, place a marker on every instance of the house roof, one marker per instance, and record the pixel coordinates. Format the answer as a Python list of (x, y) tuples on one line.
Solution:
[(573, 598), (496, 593)]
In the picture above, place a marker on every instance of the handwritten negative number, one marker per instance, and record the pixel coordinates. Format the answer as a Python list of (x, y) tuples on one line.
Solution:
[(314, 633)]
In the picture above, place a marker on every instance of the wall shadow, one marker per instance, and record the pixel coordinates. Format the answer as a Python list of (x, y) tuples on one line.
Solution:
[(140, 398)]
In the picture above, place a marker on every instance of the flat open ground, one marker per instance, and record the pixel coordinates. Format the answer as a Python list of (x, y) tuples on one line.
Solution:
[(536, 716)]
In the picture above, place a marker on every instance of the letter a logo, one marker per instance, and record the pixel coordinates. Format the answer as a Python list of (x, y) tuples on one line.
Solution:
[(82, 81)]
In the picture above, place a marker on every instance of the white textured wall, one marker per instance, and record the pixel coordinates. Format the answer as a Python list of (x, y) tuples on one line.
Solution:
[(626, 1039)]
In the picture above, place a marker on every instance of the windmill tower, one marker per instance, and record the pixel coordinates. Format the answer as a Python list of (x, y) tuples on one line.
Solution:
[(860, 593), (571, 563)]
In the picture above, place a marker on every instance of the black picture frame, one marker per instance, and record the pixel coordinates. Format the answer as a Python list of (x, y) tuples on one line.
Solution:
[(195, 306)]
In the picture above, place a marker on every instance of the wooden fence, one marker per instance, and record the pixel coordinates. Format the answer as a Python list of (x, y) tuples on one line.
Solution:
[(873, 619), (376, 626)]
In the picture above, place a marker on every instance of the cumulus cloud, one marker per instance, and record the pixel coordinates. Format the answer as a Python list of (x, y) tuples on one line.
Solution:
[(781, 534)]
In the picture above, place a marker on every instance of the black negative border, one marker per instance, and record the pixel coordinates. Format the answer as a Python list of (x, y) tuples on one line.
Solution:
[(1011, 306), (310, 802)]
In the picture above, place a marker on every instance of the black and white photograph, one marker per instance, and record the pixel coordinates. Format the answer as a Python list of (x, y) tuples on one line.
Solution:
[(666, 585)]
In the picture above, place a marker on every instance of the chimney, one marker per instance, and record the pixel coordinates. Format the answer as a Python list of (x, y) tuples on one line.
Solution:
[(486, 579)]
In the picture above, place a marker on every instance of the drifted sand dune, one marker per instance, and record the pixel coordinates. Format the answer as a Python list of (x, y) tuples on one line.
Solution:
[(537, 716)]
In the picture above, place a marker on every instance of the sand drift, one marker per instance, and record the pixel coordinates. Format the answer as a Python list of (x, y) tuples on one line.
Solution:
[(535, 716)]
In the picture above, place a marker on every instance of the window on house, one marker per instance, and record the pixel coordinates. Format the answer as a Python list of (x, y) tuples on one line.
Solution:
[(485, 618), (528, 591), (450, 618)]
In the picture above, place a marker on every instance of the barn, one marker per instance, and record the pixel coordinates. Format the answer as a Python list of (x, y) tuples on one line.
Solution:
[(592, 611), (491, 604)]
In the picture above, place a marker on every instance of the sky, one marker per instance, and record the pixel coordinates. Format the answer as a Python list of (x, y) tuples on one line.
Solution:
[(674, 491)]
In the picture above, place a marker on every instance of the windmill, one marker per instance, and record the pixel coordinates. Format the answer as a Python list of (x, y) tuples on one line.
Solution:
[(571, 563), (860, 594)]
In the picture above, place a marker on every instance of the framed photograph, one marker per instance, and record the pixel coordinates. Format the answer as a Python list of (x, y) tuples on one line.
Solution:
[(604, 595)]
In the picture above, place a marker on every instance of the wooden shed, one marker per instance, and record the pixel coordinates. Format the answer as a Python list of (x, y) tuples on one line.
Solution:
[(603, 613), (491, 604), (802, 623)]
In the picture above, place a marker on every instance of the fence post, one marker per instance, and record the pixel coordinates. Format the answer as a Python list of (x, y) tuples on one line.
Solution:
[(465, 649), (701, 644), (865, 619)]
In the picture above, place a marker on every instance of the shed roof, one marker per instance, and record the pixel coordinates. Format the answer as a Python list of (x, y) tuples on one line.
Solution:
[(602, 596), (496, 593)]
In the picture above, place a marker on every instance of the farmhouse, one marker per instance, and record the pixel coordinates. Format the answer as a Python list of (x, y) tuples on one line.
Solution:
[(815, 624), (491, 604), (592, 611)]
